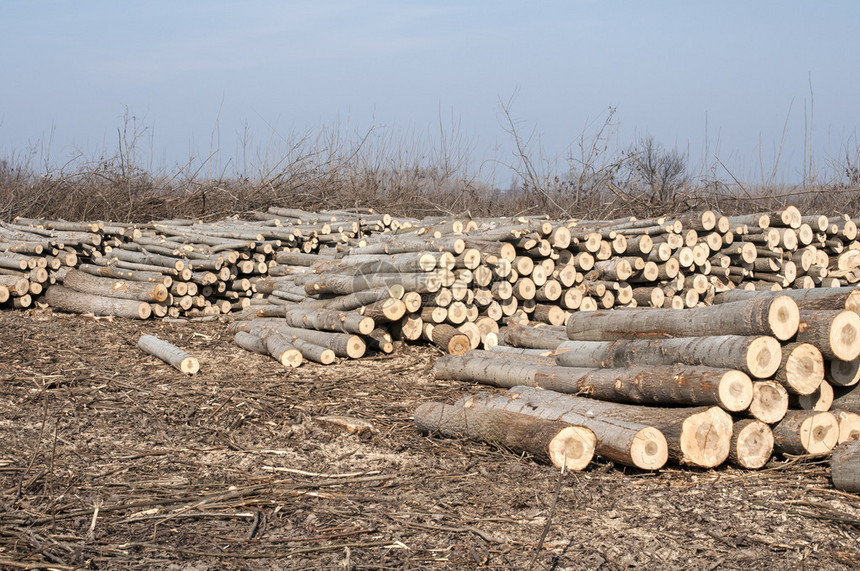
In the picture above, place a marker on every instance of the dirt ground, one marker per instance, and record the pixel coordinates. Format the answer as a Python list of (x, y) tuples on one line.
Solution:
[(110, 459)]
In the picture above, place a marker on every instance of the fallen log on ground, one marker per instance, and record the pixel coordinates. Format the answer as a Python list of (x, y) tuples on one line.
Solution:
[(169, 353), (751, 445), (629, 443), (806, 432), (66, 299), (557, 442), (698, 436)]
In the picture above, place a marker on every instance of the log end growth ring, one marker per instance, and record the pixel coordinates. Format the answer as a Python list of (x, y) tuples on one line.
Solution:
[(649, 450), (819, 433), (754, 445), (735, 391), (763, 357), (706, 438), (784, 317), (572, 447)]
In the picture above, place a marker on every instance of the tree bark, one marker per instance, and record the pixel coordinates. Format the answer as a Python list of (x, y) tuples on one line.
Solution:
[(775, 316), (629, 443), (698, 436), (329, 320), (170, 354), (108, 287), (67, 299), (282, 349), (666, 385), (557, 442), (533, 337), (756, 355), (845, 466)]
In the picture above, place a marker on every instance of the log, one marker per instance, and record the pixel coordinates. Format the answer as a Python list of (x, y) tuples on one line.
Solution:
[(847, 398), (170, 354), (250, 342), (698, 436), (849, 424), (751, 444), (533, 337), (343, 344), (107, 287), (842, 373), (806, 432), (801, 370), (666, 385), (758, 356), (770, 401), (570, 447), (776, 316), (282, 349), (449, 339), (67, 299), (845, 466), (329, 320), (820, 400), (632, 444), (835, 333)]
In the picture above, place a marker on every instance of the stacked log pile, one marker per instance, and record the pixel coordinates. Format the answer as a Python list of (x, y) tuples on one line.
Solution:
[(760, 371)]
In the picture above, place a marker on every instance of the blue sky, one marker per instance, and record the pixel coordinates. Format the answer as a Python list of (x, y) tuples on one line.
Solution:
[(238, 77)]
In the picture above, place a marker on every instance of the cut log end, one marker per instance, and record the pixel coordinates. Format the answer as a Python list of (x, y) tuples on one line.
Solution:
[(763, 357), (770, 401), (649, 449), (849, 425), (819, 433), (573, 448), (735, 391), (804, 369), (355, 347), (843, 373), (752, 444), (706, 438), (783, 317), (291, 358), (845, 336), (189, 366)]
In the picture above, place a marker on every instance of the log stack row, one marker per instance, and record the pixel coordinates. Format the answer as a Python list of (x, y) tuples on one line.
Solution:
[(449, 281), (735, 381)]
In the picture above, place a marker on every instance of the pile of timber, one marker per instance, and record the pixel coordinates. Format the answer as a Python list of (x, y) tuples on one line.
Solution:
[(361, 280), (760, 372)]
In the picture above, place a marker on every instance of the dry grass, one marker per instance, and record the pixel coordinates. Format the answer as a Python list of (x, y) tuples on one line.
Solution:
[(378, 170)]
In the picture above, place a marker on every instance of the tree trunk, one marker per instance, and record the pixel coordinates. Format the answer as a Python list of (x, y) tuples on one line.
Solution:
[(775, 316), (820, 400), (806, 432), (845, 466), (343, 344), (835, 333), (557, 442), (752, 444), (758, 356), (329, 320), (282, 350), (673, 384), (629, 443), (449, 339), (698, 436), (250, 342), (170, 354), (67, 299), (847, 398), (107, 287), (533, 337)]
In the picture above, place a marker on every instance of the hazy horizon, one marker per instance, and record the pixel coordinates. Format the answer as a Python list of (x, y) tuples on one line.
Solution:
[(745, 82)]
